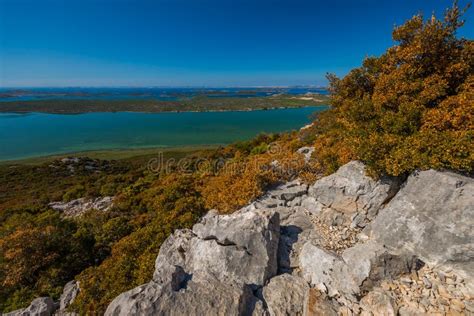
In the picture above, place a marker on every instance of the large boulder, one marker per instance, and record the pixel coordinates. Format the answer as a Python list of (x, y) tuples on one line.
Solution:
[(212, 270), (240, 246), (201, 295), (431, 217), (285, 295), (350, 190)]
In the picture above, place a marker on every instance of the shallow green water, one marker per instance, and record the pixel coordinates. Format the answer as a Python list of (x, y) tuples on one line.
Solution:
[(39, 134)]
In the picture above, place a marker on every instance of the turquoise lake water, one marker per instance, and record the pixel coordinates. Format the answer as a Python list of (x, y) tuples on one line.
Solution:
[(39, 134)]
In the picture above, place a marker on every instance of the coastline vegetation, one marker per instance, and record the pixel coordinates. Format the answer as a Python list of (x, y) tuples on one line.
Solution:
[(200, 103)]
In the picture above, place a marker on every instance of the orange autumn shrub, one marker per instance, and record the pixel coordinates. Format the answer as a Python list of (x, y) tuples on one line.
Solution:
[(245, 177), (411, 108)]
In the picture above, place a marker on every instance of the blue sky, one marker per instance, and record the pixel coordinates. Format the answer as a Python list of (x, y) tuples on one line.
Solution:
[(195, 42)]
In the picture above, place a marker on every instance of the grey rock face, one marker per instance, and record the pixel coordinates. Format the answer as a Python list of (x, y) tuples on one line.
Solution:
[(296, 229), (285, 295), (80, 206), (70, 291), (432, 217), (213, 269), (41, 306), (288, 191), (312, 205), (321, 267), (201, 295), (350, 191), (240, 246), (370, 263), (360, 268)]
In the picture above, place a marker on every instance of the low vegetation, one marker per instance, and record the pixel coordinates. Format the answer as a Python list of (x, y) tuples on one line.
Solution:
[(198, 103)]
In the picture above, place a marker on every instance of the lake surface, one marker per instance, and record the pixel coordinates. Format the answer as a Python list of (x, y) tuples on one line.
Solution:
[(40, 134)]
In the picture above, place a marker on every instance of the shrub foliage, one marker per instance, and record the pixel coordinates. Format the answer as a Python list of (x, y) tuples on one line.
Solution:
[(411, 108)]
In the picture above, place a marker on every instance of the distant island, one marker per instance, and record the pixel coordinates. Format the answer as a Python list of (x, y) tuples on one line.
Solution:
[(201, 101)]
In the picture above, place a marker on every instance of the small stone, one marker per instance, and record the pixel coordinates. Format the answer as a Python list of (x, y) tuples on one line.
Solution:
[(450, 281), (457, 305), (469, 306), (409, 310), (379, 302), (406, 280), (457, 293), (425, 302), (322, 287), (443, 292), (425, 293), (345, 311), (385, 286), (441, 276), (427, 283)]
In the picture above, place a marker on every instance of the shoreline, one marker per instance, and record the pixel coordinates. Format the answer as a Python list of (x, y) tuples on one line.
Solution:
[(163, 112), (109, 154)]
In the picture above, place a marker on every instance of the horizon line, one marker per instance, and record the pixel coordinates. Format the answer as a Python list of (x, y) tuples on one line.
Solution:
[(171, 86)]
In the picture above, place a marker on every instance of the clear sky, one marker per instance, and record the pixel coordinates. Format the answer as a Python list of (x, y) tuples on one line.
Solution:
[(195, 42)]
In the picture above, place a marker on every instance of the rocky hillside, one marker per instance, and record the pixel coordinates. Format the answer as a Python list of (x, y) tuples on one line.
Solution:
[(345, 245)]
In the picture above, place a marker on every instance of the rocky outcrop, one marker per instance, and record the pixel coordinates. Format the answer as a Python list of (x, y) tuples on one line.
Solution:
[(351, 195), (70, 291), (78, 165), (46, 306), (79, 206), (232, 255), (41, 306), (306, 152), (348, 244), (432, 217)]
